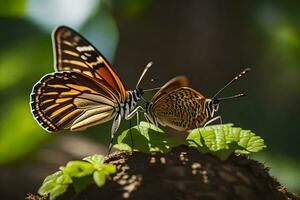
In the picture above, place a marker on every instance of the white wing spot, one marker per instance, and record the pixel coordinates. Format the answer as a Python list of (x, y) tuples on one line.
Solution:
[(83, 57), (85, 48), (87, 54)]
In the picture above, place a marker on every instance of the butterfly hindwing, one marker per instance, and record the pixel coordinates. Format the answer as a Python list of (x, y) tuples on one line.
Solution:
[(70, 100), (180, 109), (74, 53)]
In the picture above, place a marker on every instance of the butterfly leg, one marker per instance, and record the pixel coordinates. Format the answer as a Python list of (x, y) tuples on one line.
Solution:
[(131, 137), (150, 119), (138, 121), (147, 118), (135, 112), (114, 129), (213, 119)]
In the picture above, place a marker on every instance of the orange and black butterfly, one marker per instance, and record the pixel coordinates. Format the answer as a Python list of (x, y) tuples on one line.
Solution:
[(182, 108), (83, 91)]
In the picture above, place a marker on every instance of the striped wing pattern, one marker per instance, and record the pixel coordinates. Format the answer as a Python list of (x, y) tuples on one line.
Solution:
[(74, 53), (181, 109), (70, 100)]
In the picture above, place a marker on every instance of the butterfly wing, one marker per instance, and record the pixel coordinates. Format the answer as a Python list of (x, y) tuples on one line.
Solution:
[(181, 109), (70, 100), (174, 83), (74, 53)]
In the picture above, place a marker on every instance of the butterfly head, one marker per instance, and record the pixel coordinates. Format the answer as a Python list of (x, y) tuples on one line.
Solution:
[(212, 106), (215, 104), (139, 91)]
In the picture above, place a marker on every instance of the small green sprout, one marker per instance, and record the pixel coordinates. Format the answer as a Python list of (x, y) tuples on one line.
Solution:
[(78, 173)]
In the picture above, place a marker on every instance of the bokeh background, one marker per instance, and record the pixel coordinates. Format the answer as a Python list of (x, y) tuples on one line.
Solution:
[(208, 41)]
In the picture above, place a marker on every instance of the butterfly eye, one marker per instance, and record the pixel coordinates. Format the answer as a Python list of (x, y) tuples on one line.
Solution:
[(216, 101), (140, 91)]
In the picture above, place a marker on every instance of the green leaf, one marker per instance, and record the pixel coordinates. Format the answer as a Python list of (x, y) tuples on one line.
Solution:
[(64, 179), (150, 126), (95, 159), (146, 138), (53, 177), (78, 168), (57, 191), (99, 178), (78, 173), (79, 184), (218, 137), (132, 137), (122, 146), (107, 169), (55, 184)]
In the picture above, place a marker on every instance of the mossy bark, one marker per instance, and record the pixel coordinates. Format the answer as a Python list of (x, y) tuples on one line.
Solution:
[(184, 173)]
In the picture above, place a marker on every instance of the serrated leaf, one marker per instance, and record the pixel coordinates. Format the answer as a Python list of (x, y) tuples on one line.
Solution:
[(99, 178), (95, 159), (218, 137), (78, 168)]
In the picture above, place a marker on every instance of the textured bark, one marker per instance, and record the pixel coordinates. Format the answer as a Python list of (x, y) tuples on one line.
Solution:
[(185, 173)]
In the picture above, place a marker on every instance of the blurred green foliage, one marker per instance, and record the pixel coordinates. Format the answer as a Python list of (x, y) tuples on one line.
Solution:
[(19, 133), (12, 8), (267, 36)]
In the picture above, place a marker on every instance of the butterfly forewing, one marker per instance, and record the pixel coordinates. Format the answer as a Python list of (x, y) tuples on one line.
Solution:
[(171, 85), (74, 53), (70, 100)]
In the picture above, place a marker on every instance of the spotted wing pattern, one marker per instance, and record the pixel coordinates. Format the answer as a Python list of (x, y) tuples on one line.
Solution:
[(70, 100), (181, 109), (74, 53)]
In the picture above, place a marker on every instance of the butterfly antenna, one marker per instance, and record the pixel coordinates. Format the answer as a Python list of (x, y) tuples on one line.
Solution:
[(232, 97), (151, 89), (143, 74), (233, 80)]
